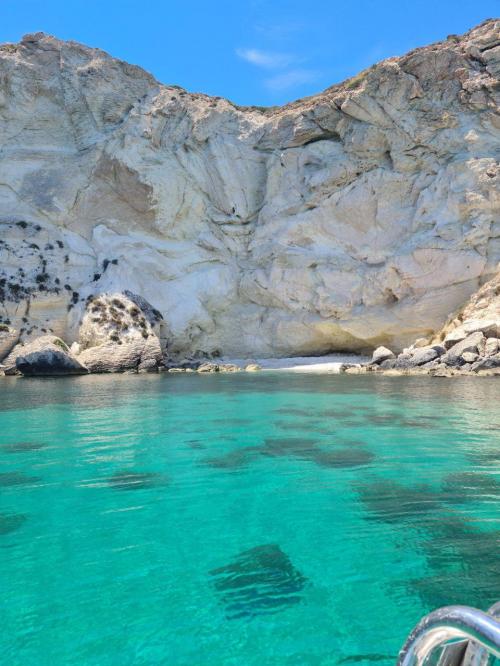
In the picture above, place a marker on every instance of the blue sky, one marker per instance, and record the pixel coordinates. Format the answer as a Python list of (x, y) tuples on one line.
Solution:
[(261, 52)]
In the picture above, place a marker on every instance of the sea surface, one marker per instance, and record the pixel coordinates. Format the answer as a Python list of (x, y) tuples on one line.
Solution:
[(247, 519)]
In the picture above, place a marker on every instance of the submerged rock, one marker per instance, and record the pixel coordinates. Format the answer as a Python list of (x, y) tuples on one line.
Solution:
[(292, 446), (454, 545), (259, 581), (20, 447), (8, 479), (10, 522), (342, 458), (459, 487), (233, 459), (390, 501)]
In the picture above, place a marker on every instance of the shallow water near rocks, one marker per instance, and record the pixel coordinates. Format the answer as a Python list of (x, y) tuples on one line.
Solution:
[(181, 519)]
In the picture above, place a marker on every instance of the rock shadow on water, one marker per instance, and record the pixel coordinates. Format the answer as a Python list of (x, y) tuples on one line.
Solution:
[(128, 480), (259, 581), (10, 479), (391, 502), (23, 447), (10, 522)]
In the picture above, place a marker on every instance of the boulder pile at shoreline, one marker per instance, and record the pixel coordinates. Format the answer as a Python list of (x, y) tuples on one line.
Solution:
[(468, 344), (474, 353)]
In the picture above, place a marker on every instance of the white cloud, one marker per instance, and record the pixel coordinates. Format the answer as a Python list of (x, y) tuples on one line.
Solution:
[(291, 79), (266, 59)]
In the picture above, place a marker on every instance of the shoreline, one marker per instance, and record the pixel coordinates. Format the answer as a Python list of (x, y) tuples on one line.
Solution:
[(328, 364)]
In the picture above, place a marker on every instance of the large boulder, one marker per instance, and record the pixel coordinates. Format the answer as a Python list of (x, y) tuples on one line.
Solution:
[(488, 327), (472, 343), (491, 346), (49, 363), (382, 354), (424, 355), (47, 355), (120, 332), (134, 354), (487, 363)]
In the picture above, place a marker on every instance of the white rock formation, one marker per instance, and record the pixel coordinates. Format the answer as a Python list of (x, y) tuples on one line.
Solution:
[(119, 332), (361, 216)]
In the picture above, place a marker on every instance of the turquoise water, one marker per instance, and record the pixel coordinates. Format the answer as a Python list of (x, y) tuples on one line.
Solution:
[(241, 519)]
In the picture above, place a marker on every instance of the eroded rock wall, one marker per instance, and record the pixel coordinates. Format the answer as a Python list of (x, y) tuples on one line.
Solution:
[(362, 216)]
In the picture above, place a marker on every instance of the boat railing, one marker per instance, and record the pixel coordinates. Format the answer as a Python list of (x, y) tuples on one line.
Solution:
[(475, 635)]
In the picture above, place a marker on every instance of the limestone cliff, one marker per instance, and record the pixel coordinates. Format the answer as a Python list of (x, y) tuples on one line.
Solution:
[(363, 215)]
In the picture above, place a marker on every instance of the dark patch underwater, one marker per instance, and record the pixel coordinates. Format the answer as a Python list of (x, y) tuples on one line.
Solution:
[(259, 581)]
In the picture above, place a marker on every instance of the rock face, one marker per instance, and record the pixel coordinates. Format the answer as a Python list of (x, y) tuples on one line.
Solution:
[(361, 216), (8, 339)]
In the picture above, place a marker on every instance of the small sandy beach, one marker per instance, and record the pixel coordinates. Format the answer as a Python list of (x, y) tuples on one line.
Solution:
[(329, 364)]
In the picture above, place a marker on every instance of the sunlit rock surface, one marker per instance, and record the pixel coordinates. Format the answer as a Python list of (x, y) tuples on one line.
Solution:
[(361, 216), (119, 332)]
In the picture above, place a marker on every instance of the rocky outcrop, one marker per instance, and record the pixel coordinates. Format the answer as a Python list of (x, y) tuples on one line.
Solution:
[(119, 332), (358, 217), (48, 355), (468, 343)]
